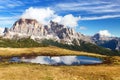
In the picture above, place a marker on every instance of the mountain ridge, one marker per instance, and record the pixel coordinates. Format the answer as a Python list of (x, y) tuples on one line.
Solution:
[(24, 28), (53, 30)]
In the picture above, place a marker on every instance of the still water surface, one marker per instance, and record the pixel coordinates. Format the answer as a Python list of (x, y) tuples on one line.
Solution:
[(59, 60)]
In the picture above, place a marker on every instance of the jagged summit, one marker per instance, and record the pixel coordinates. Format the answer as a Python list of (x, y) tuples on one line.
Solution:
[(98, 36), (28, 21), (36, 30), (22, 25), (24, 28), (107, 41)]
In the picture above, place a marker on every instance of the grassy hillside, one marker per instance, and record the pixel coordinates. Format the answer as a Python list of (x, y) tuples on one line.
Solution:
[(47, 51), (44, 72), (27, 71), (20, 43), (85, 47)]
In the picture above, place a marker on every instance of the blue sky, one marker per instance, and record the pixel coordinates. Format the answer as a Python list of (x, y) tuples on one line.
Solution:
[(94, 15)]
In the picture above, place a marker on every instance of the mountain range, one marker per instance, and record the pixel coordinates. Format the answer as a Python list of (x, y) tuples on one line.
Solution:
[(24, 28)]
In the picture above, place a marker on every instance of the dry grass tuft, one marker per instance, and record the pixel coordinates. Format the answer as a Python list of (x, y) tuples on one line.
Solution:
[(43, 72), (51, 51)]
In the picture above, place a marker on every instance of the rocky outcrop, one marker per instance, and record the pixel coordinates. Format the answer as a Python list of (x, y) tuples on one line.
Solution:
[(28, 26), (107, 42), (55, 31), (118, 45), (97, 37)]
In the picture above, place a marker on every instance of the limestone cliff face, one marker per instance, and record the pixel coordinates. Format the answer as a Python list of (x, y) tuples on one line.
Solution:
[(28, 26), (35, 30)]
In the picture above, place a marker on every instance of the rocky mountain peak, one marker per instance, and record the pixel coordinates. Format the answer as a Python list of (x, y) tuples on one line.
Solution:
[(107, 41), (6, 30), (30, 27), (98, 36), (24, 28), (28, 21)]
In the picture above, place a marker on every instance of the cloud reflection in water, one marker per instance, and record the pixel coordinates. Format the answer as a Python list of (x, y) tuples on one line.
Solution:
[(65, 60)]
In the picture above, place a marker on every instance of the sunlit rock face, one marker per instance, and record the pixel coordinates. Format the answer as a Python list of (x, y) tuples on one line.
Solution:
[(28, 26), (53, 30)]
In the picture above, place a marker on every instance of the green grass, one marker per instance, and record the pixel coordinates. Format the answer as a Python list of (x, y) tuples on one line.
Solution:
[(20, 43), (29, 43)]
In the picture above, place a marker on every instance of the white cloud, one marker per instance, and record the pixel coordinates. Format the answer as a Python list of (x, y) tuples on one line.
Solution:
[(89, 6), (1, 30), (105, 33), (67, 20), (57, 18), (70, 20), (46, 59), (56, 59), (100, 17), (105, 10), (43, 15), (69, 59), (83, 28), (65, 59), (38, 59), (40, 14), (10, 3)]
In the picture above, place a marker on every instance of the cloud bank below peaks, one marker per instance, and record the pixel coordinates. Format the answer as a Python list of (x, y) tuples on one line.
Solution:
[(44, 15)]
